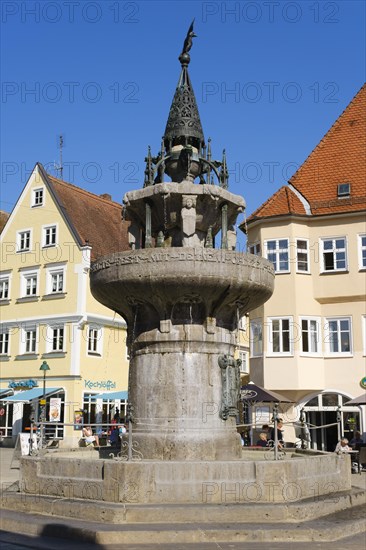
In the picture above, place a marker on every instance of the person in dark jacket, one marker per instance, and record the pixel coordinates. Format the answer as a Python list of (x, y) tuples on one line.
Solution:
[(280, 440), (262, 441)]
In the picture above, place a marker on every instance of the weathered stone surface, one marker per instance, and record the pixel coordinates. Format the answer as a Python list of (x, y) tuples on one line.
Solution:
[(195, 482), (167, 199), (181, 284)]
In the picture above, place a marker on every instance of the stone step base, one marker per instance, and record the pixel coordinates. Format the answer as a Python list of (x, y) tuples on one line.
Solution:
[(128, 513), (329, 528)]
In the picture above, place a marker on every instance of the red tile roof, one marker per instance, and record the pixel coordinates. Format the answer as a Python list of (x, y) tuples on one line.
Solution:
[(3, 219), (283, 202), (95, 220), (340, 157)]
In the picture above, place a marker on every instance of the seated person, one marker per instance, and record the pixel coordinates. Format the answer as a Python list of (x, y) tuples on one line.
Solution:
[(342, 446), (113, 438), (89, 437), (262, 441), (356, 442), (280, 440)]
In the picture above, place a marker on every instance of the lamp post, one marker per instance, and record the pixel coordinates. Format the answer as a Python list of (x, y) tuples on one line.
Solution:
[(44, 367)]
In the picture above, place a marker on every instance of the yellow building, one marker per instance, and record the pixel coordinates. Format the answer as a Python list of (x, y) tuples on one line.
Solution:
[(48, 313), (308, 342)]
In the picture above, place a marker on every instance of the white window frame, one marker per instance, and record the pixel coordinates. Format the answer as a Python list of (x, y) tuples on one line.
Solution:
[(20, 238), (281, 352), (255, 248), (31, 284), (334, 251), (25, 340), (346, 193), (94, 343), (4, 288), (304, 251), (35, 202), (328, 338), (243, 356), (53, 242), (55, 334), (25, 275), (5, 281), (57, 281), (361, 252), (256, 338), (4, 342), (51, 272), (317, 332), (277, 253)]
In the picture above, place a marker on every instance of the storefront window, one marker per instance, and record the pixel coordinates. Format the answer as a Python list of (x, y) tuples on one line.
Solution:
[(90, 408), (322, 413), (6, 419), (330, 399)]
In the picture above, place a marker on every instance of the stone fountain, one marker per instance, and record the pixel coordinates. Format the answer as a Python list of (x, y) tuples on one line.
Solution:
[(181, 297), (182, 289)]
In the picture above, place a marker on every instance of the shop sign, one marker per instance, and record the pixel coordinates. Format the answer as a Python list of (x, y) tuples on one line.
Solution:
[(23, 384), (248, 394), (363, 383), (100, 384), (55, 409), (78, 419)]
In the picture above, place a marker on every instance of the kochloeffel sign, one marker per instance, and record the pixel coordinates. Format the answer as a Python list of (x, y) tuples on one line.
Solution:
[(100, 384), (23, 384)]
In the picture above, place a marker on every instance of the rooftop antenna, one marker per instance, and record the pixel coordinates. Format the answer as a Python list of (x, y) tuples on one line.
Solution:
[(59, 168)]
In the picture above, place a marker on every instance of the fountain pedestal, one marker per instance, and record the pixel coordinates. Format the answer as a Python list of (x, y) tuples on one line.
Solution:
[(182, 306)]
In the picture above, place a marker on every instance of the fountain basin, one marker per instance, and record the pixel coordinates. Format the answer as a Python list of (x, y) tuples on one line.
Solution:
[(152, 482), (147, 286)]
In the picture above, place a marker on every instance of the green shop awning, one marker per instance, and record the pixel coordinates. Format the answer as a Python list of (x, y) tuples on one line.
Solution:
[(111, 396), (29, 395)]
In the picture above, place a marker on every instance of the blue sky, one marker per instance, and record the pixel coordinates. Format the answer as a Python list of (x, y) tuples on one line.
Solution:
[(270, 78)]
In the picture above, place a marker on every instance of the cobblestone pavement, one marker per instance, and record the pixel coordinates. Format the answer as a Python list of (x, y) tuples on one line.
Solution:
[(9, 541)]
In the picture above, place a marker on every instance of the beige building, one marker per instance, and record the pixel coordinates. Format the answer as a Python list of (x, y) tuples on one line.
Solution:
[(308, 342), (49, 315)]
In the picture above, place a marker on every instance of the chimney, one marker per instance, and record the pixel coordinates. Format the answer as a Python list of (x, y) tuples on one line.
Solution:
[(106, 196)]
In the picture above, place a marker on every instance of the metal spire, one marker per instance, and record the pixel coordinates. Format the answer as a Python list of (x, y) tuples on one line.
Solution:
[(149, 170), (184, 125), (224, 174)]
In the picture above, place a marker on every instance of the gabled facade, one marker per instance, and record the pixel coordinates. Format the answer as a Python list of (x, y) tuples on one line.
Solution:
[(308, 341), (47, 310)]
